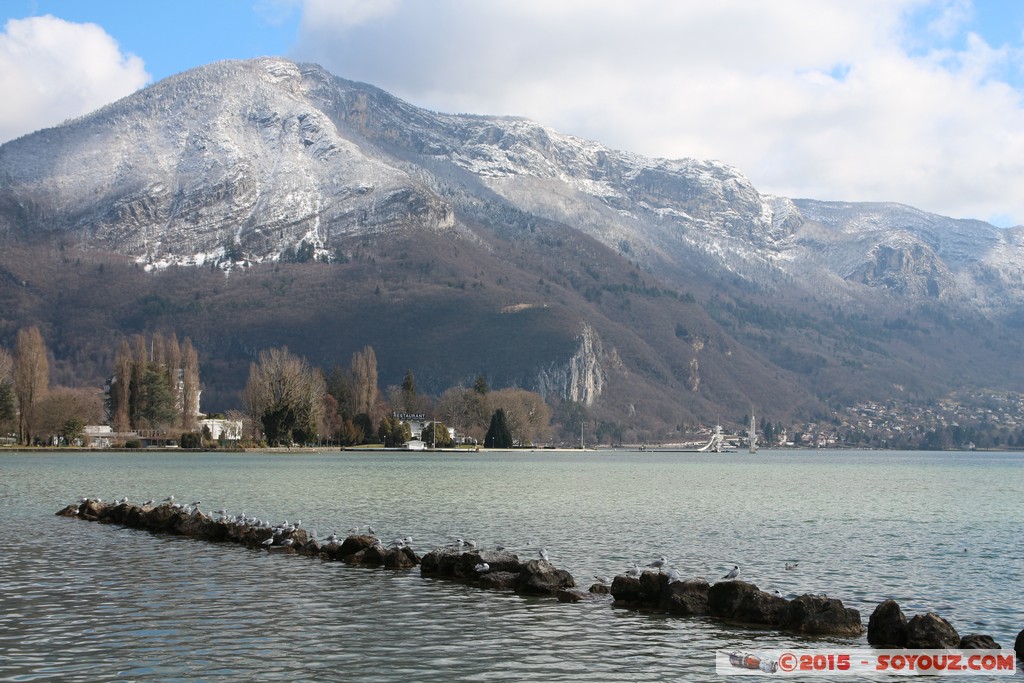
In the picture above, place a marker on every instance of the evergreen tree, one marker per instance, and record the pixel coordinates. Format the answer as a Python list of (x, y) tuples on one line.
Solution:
[(435, 434), (498, 434), (156, 408), (408, 396), (363, 424)]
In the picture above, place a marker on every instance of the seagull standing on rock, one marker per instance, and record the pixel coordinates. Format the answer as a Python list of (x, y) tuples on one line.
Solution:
[(659, 563), (734, 573)]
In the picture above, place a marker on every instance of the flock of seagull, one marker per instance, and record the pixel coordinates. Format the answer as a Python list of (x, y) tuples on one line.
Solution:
[(281, 537)]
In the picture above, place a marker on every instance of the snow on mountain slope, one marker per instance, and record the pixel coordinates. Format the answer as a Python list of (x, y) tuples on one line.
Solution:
[(249, 160)]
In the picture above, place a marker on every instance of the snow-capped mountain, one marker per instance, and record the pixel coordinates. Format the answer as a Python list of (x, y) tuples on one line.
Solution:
[(262, 161)]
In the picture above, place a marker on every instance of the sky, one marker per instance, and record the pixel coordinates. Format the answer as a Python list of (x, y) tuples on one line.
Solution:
[(914, 101)]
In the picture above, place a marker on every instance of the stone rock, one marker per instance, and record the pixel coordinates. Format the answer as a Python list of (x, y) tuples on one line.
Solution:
[(91, 510), (467, 563), (69, 511), (400, 558), (450, 563), (653, 590), (281, 550), (1018, 645), (822, 616), (353, 544), (978, 641), (931, 632), (760, 608), (601, 588), (577, 595), (499, 581), (311, 549), (725, 597), (744, 603), (378, 556), (440, 562), (626, 591), (687, 598), (887, 626), (542, 577)]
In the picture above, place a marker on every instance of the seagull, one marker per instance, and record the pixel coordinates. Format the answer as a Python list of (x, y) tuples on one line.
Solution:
[(169, 499), (354, 530), (269, 541), (500, 548), (147, 503), (482, 568), (633, 571), (791, 566), (600, 578), (659, 563), (734, 573), (543, 554), (288, 541), (371, 531)]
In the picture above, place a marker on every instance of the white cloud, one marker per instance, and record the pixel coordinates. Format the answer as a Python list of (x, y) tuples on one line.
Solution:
[(830, 99), (52, 70)]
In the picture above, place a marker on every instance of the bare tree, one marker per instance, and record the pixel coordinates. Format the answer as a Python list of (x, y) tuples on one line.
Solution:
[(364, 380), (527, 415), (189, 385), (65, 412), (172, 352), (157, 351), (466, 410), (120, 388), (7, 411), (6, 366), (285, 396), (31, 379), (140, 363)]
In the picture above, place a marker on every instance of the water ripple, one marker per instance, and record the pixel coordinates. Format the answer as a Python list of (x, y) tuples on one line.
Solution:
[(86, 602)]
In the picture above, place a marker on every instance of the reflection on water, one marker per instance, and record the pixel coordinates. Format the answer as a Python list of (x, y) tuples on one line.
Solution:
[(89, 602)]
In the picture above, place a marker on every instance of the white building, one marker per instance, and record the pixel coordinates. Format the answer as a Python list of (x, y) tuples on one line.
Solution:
[(228, 430)]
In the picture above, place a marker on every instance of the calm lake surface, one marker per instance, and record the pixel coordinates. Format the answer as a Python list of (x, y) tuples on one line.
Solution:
[(91, 602)]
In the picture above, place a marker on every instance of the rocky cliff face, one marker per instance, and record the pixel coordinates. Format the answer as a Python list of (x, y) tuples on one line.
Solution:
[(582, 378)]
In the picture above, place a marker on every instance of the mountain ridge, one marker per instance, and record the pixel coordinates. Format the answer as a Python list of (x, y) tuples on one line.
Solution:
[(704, 295)]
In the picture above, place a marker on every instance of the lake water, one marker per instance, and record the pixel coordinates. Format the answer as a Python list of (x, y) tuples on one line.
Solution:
[(91, 602)]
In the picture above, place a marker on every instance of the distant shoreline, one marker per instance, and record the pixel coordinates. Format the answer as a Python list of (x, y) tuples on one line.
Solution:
[(284, 450)]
